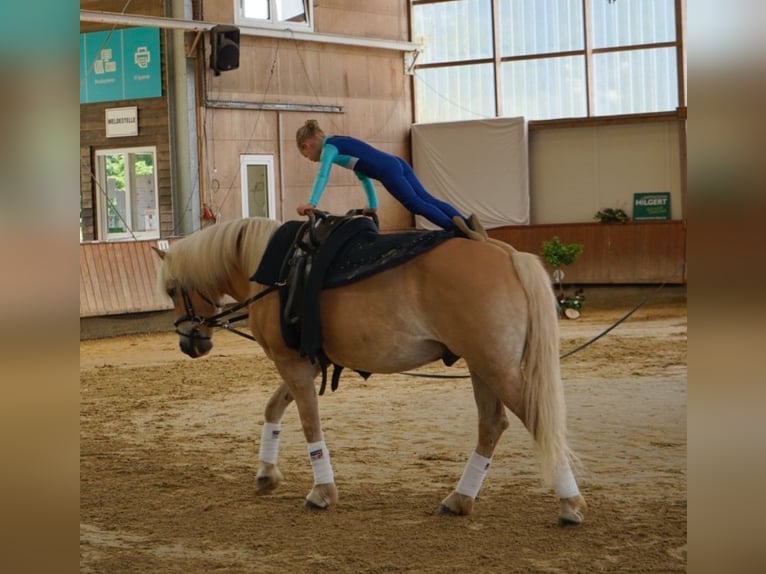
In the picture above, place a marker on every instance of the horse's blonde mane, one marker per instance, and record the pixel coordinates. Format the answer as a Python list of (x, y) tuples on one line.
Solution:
[(204, 260)]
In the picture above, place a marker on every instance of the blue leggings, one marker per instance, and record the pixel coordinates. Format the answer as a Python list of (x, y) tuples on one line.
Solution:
[(403, 184)]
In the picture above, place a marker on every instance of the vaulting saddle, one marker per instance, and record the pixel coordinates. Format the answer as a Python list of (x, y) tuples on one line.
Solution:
[(327, 251)]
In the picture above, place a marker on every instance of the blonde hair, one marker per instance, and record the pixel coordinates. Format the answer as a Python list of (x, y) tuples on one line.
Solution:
[(308, 131)]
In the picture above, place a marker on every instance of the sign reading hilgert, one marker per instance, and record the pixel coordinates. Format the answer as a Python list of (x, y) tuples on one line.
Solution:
[(649, 206)]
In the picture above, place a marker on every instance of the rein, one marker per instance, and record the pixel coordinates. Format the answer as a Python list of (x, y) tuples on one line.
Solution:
[(219, 319)]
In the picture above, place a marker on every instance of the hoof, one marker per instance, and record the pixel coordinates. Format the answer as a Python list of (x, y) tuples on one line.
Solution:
[(321, 497), (313, 505), (456, 504), (264, 485), (572, 511), (267, 479), (566, 522), (447, 511)]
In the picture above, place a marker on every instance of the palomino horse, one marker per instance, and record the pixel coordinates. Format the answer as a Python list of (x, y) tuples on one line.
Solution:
[(479, 300)]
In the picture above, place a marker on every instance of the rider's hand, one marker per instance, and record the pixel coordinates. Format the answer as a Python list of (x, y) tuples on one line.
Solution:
[(305, 209)]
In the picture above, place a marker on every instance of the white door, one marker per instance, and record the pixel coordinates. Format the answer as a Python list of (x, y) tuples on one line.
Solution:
[(258, 196)]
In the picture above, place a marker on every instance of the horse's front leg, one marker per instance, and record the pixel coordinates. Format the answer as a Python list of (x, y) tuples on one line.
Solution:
[(299, 377), (268, 477)]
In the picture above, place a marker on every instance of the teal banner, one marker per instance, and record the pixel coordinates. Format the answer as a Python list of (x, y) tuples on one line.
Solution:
[(648, 206), (120, 65)]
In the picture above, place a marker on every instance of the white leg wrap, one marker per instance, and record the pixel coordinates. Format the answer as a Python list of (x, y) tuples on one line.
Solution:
[(269, 449), (320, 463), (473, 475), (564, 483)]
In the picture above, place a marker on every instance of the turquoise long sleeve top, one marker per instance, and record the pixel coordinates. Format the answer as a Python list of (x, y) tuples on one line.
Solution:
[(345, 152)]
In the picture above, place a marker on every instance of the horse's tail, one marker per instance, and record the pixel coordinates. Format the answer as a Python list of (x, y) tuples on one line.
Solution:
[(543, 390)]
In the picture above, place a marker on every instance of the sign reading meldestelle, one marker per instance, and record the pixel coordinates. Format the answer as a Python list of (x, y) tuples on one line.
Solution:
[(121, 122), (120, 65), (647, 206)]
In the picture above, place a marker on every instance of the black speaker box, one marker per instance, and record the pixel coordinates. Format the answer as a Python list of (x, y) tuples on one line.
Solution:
[(224, 48)]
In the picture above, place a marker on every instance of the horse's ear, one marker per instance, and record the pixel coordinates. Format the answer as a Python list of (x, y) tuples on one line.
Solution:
[(159, 252)]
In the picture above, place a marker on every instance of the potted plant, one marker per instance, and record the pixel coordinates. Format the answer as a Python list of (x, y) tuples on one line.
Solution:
[(609, 215), (558, 255)]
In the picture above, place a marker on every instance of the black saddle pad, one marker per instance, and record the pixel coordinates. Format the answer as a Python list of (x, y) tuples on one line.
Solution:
[(355, 251)]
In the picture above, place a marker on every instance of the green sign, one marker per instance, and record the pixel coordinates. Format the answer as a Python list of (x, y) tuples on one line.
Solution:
[(120, 65), (648, 206)]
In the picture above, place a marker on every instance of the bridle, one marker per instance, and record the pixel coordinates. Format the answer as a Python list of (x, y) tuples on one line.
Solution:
[(222, 319)]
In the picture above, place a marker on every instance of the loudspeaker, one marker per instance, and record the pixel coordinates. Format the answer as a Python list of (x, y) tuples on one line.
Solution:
[(224, 48)]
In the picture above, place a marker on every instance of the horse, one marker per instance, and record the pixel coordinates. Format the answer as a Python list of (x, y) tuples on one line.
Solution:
[(483, 301)]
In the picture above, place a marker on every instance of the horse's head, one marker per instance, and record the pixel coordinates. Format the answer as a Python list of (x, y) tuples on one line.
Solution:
[(192, 310)]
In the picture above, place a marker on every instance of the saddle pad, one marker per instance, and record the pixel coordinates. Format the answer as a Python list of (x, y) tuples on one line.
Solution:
[(359, 252), (353, 252), (270, 268)]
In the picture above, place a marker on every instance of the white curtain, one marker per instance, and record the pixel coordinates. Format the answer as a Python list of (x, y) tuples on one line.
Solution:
[(478, 166)]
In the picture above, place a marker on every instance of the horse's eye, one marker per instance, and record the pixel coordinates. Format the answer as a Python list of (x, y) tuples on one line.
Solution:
[(172, 292)]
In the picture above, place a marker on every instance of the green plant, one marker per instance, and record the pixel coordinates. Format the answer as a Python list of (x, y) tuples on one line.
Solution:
[(558, 255), (610, 215)]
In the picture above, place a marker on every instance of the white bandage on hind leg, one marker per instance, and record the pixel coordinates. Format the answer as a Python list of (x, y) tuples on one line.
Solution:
[(320, 463), (269, 449), (564, 483), (473, 475)]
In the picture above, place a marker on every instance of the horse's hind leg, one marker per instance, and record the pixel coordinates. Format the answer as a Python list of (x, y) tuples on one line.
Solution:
[(492, 422), (268, 476), (572, 504)]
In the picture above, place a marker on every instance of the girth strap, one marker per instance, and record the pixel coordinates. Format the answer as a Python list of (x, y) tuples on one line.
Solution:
[(324, 362)]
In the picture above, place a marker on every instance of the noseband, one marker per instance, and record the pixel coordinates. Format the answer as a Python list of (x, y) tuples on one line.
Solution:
[(217, 320), (197, 321)]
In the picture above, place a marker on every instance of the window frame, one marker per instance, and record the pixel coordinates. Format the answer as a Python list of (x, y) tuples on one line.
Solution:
[(267, 161), (241, 20), (101, 214), (587, 52)]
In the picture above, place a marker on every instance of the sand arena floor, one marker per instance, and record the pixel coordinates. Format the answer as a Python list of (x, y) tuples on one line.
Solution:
[(168, 450)]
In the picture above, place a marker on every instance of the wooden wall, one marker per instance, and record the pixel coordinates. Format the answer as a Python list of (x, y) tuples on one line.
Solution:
[(119, 277), (141, 7), (368, 85), (153, 130), (638, 252), (386, 19)]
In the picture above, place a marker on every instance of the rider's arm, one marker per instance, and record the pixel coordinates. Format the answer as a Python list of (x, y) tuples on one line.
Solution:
[(329, 153), (369, 190)]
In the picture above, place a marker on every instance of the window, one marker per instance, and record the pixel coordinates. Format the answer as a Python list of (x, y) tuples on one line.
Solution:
[(453, 31), (545, 88), (126, 192), (545, 59), (455, 92), (281, 14)]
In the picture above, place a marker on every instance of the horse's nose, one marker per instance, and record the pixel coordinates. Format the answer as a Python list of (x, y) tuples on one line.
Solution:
[(195, 344), (187, 346)]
